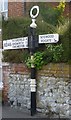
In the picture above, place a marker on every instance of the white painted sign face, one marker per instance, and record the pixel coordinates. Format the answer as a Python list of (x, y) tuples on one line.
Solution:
[(16, 43), (49, 38), (19, 43)]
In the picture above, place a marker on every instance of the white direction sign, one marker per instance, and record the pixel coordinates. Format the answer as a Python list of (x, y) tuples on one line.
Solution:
[(19, 43), (16, 43), (49, 38)]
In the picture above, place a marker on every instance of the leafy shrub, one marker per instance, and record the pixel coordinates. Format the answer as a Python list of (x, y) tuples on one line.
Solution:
[(15, 56), (38, 60), (54, 53), (45, 28), (50, 22), (18, 28), (70, 41), (52, 15), (65, 35), (14, 27)]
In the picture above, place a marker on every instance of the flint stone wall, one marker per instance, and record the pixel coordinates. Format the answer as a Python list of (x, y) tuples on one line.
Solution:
[(53, 90)]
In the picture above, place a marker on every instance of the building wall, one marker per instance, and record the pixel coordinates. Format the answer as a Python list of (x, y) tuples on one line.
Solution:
[(17, 9)]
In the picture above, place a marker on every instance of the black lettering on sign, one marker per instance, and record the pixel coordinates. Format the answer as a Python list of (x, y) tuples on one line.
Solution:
[(46, 40), (47, 36), (5, 44), (13, 44), (9, 44)]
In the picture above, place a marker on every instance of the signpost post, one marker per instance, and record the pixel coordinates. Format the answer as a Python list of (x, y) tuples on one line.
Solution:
[(31, 42)]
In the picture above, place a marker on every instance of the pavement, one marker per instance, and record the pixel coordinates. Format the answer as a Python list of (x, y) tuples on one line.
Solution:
[(9, 112), (12, 113)]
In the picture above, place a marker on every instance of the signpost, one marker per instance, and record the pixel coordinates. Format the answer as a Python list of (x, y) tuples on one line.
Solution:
[(31, 42)]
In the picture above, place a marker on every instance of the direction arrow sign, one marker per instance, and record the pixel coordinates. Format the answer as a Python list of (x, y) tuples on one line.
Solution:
[(16, 43), (49, 38)]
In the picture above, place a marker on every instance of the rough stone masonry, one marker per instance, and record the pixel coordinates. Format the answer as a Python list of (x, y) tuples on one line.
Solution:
[(53, 90)]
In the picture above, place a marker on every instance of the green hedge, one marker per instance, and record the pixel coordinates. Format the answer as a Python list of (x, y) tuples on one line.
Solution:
[(65, 35), (53, 15), (14, 28), (19, 27)]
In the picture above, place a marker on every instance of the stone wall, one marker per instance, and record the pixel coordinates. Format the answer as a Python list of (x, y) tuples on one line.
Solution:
[(19, 90), (53, 89), (53, 96)]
